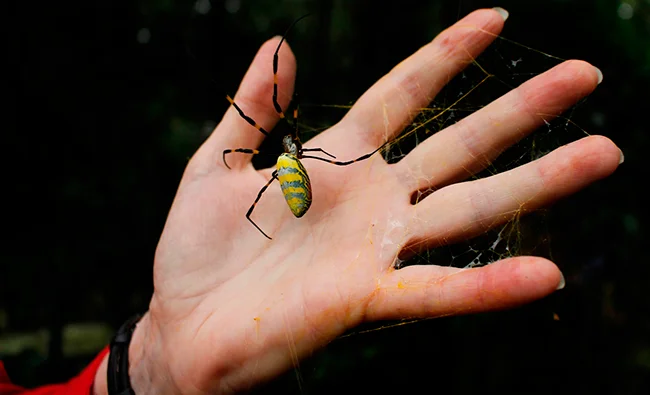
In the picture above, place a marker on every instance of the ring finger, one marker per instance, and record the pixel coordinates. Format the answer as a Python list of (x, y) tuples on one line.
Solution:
[(467, 209)]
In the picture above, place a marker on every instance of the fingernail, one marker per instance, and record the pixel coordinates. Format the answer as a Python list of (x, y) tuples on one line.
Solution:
[(504, 14), (621, 159), (600, 75), (562, 282)]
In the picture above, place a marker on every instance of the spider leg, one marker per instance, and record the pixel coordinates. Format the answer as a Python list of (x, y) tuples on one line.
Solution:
[(259, 195), (319, 150), (246, 117), (349, 162), (242, 150), (277, 106)]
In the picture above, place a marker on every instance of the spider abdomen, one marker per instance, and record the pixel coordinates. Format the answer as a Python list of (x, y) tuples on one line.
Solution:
[(295, 184)]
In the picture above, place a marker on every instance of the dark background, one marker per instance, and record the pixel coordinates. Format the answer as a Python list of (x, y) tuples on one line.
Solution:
[(101, 126)]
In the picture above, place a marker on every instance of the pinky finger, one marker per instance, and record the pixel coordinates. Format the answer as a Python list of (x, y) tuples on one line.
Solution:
[(434, 291)]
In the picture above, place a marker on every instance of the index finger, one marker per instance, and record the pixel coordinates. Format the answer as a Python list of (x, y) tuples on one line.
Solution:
[(386, 108)]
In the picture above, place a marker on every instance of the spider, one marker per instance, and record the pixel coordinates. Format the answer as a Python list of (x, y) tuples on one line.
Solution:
[(289, 171)]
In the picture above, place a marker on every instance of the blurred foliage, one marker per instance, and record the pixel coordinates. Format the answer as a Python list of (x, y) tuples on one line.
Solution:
[(108, 100)]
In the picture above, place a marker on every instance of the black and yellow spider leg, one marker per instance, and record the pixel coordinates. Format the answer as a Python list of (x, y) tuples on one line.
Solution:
[(277, 106), (349, 162), (318, 150), (259, 195), (246, 117), (242, 150)]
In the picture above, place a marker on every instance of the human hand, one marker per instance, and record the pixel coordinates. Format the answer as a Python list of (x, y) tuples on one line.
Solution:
[(232, 308)]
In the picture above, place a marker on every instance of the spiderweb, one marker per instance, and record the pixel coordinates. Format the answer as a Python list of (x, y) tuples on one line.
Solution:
[(505, 65)]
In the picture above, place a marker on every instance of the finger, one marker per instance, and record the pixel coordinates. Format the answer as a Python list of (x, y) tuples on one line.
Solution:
[(473, 143), (390, 104), (433, 291), (467, 209), (255, 98)]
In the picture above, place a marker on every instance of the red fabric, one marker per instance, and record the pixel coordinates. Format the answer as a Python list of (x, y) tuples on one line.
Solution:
[(78, 385)]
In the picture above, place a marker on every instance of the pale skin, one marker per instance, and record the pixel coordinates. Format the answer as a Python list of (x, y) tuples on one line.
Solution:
[(232, 309)]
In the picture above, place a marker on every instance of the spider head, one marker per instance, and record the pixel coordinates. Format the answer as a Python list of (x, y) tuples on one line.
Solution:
[(292, 146)]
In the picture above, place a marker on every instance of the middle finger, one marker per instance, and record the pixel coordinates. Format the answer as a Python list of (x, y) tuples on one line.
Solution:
[(473, 143)]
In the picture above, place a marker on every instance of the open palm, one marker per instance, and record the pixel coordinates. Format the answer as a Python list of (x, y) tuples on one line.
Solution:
[(232, 308)]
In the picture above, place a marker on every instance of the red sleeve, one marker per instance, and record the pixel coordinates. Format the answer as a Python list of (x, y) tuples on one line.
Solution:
[(78, 385)]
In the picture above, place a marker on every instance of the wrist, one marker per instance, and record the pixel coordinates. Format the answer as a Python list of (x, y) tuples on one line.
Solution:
[(148, 371), (139, 368)]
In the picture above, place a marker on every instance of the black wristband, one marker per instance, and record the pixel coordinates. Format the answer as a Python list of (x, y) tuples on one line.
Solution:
[(118, 381)]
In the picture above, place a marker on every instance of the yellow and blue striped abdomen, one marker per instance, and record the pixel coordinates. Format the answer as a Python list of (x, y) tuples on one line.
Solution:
[(295, 184)]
